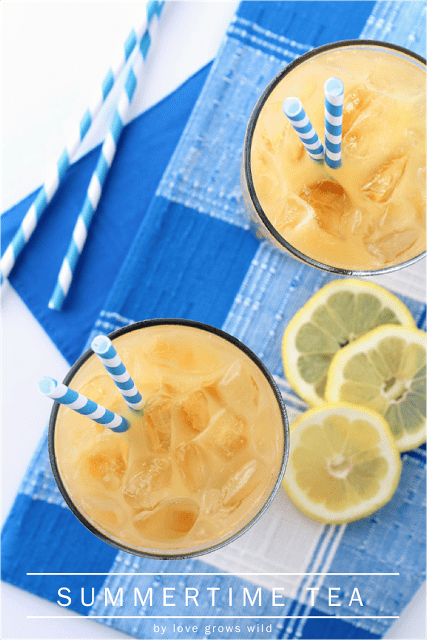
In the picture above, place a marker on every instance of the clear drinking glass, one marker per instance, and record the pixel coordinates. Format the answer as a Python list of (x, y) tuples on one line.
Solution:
[(368, 216), (197, 467)]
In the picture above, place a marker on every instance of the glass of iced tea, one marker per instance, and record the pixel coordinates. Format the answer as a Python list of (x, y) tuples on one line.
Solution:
[(368, 216), (200, 462)]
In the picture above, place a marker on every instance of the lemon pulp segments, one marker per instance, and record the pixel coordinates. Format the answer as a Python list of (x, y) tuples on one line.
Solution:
[(343, 463), (335, 316), (386, 371)]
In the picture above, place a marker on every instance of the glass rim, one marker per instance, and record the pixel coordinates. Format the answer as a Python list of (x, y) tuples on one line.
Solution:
[(193, 552), (247, 156)]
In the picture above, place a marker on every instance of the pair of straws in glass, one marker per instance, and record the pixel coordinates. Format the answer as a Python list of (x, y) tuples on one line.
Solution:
[(334, 98), (136, 45), (104, 349)]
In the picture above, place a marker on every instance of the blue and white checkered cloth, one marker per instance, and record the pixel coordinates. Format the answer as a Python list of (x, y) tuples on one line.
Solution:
[(194, 257)]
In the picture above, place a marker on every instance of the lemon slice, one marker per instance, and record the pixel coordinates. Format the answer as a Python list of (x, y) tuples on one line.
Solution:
[(385, 371), (343, 463), (337, 314)]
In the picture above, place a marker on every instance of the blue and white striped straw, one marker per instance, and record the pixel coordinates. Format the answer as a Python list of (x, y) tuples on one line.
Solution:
[(104, 349), (62, 394), (294, 111), (99, 176), (334, 98), (57, 172)]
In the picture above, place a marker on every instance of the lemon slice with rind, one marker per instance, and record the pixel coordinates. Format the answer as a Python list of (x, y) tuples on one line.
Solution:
[(385, 371), (337, 314), (343, 463)]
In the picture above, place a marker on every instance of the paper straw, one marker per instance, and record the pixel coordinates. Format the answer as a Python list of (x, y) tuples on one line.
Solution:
[(294, 111), (49, 188), (76, 401), (334, 98), (104, 349), (99, 176)]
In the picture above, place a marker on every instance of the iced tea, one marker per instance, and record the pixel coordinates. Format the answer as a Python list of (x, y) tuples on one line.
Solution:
[(369, 214), (199, 463)]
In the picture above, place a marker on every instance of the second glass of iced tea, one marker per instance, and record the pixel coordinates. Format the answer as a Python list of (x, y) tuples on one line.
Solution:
[(368, 216), (199, 464)]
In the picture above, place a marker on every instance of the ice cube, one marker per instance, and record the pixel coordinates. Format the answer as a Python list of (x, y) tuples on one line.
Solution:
[(382, 184), (226, 435), (294, 214), (204, 529), (309, 86), (272, 122), (242, 483), (398, 229), (421, 181), (192, 464), (211, 503), (269, 188), (238, 390), (173, 353), (292, 145), (158, 418), (330, 203), (355, 103), (193, 410), (172, 519), (107, 461), (392, 246), (392, 83), (105, 511), (367, 132), (353, 220), (150, 484), (417, 120), (101, 389)]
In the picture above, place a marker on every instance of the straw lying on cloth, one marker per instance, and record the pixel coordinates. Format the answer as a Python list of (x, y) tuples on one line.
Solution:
[(200, 261), (46, 193), (106, 158)]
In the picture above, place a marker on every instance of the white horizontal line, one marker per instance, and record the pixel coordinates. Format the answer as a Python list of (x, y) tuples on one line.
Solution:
[(167, 573), (218, 617)]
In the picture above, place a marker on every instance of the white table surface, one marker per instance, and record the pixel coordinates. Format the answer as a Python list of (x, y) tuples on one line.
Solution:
[(53, 55)]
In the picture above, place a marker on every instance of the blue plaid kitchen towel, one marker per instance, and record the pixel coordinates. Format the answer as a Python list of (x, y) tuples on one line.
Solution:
[(194, 257)]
